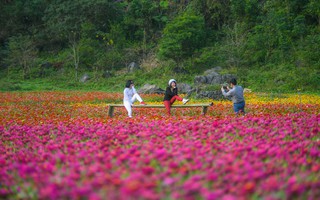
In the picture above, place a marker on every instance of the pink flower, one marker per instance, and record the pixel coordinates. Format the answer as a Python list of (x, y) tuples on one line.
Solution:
[(169, 181), (270, 183), (217, 194), (173, 165), (49, 191), (131, 186), (292, 180), (147, 170), (229, 197), (2, 161)]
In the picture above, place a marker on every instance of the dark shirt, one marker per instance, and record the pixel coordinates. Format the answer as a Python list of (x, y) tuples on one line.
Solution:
[(170, 93)]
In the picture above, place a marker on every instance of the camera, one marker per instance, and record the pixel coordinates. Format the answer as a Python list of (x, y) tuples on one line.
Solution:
[(225, 86)]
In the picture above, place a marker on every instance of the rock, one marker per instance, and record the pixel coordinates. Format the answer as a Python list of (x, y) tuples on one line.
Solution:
[(212, 72), (84, 78), (211, 77), (184, 88), (151, 89), (215, 95), (133, 67), (200, 80), (107, 74)]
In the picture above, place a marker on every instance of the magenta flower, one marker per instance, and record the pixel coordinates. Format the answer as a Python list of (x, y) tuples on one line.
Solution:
[(147, 170)]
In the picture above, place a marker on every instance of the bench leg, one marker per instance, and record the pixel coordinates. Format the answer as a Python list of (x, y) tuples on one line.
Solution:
[(110, 111), (204, 110)]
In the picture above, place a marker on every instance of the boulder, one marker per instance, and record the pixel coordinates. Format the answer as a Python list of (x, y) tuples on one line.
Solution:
[(151, 89), (212, 70), (133, 67), (215, 95), (184, 88), (200, 80), (212, 77), (84, 78)]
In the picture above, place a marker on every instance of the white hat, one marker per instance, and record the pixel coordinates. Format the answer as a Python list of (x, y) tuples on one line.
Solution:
[(171, 80)]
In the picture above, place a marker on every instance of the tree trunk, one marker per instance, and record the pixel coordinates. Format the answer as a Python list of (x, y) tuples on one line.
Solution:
[(75, 50)]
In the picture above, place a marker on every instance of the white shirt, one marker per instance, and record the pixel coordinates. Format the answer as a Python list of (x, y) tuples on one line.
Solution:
[(128, 93)]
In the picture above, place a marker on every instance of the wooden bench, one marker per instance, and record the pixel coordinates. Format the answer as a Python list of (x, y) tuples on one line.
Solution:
[(204, 107)]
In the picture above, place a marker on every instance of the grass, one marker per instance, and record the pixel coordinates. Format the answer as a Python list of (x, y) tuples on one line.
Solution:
[(256, 80)]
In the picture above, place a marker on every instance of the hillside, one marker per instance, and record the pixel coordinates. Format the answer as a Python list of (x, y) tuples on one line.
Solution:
[(49, 45)]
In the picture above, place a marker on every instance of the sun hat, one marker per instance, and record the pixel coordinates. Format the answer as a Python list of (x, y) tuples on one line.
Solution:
[(171, 80)]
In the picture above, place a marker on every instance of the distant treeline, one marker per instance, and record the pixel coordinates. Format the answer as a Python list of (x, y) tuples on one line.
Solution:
[(265, 42)]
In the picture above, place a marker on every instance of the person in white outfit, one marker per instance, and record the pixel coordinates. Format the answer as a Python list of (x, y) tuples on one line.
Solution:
[(130, 95)]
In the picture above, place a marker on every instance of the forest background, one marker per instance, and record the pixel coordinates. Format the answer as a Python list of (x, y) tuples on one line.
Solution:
[(270, 45)]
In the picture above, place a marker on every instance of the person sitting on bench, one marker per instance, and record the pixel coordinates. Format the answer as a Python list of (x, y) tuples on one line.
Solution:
[(171, 95), (130, 95)]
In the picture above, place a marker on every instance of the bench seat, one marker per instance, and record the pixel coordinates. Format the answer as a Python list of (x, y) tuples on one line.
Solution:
[(204, 107)]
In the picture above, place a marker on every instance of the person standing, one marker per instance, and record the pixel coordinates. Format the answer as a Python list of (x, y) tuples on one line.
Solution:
[(236, 95), (130, 95), (171, 95)]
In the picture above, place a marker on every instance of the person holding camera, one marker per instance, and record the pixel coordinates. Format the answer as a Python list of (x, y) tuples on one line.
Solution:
[(171, 95), (130, 95), (236, 95)]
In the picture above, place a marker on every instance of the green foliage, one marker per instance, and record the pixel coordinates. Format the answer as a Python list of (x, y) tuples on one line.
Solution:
[(313, 12), (6, 86), (283, 78), (246, 11), (216, 13), (20, 17), (22, 54), (182, 37), (62, 17), (307, 53), (144, 19), (269, 45), (208, 58)]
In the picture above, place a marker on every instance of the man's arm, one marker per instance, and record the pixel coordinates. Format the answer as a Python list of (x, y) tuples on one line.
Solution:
[(229, 93)]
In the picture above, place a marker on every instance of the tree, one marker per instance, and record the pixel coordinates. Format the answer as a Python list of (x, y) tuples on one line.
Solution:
[(313, 11), (63, 17), (182, 37), (235, 42), (216, 13), (22, 53), (75, 48), (143, 22)]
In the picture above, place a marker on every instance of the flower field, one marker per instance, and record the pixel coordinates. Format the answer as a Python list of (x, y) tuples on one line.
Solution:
[(63, 145)]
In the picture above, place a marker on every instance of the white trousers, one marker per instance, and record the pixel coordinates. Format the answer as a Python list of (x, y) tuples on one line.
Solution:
[(128, 104)]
